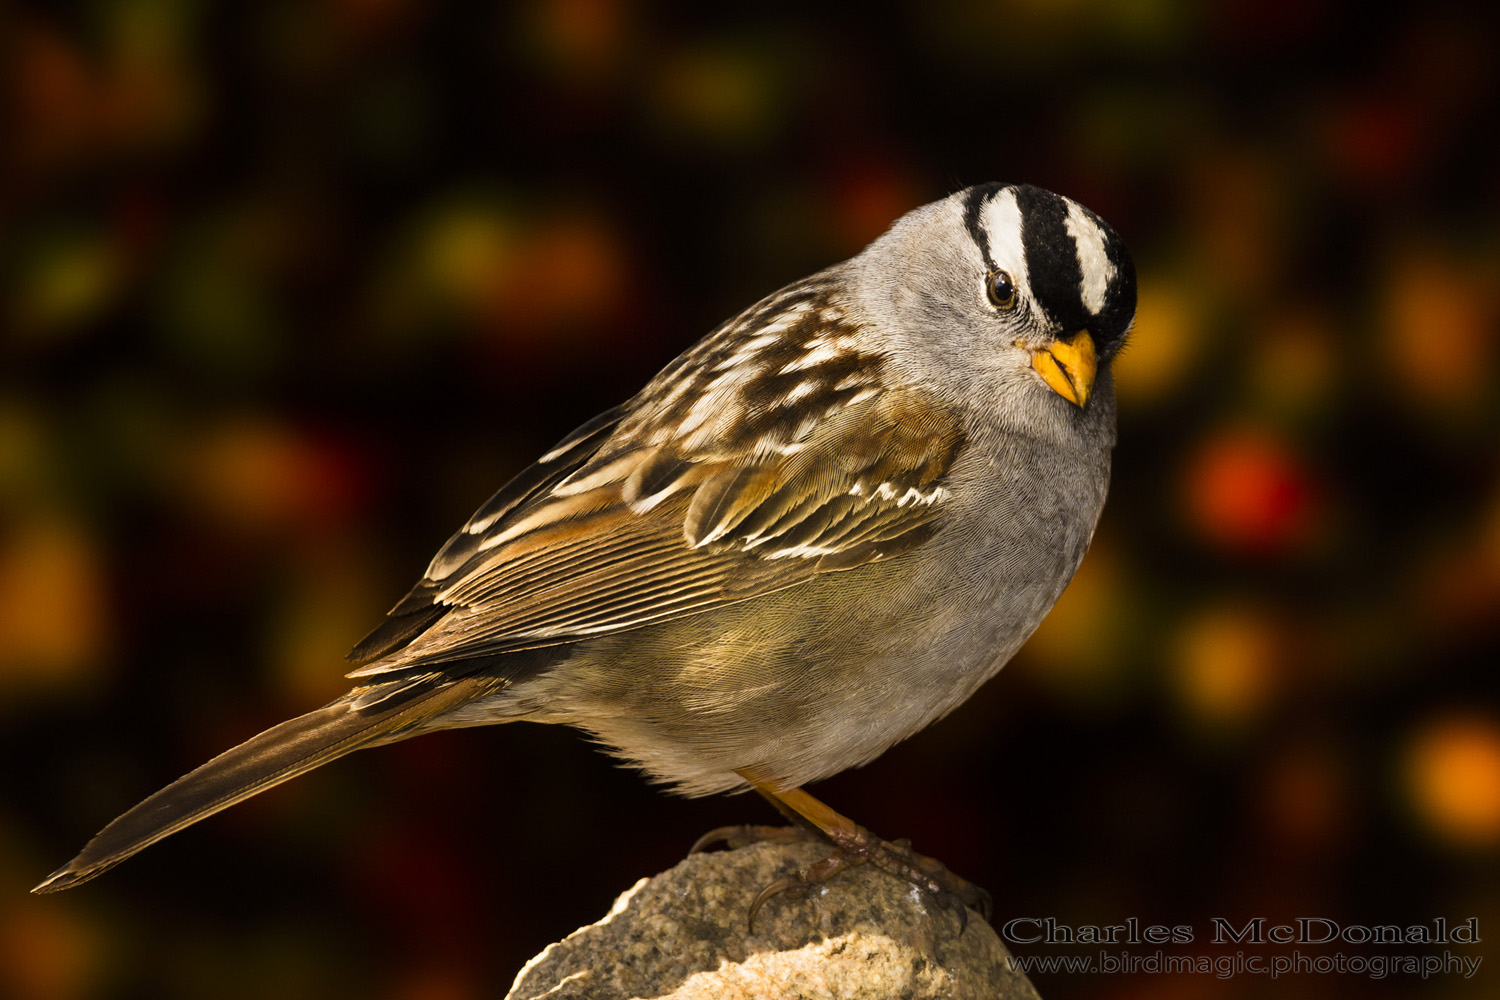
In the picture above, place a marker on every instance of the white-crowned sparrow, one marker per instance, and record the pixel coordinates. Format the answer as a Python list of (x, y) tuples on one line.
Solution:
[(815, 532)]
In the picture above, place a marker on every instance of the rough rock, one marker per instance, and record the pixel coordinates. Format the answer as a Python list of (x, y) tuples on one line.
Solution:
[(683, 934)]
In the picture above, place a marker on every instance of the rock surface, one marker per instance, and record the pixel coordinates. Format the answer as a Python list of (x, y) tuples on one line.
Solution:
[(683, 934)]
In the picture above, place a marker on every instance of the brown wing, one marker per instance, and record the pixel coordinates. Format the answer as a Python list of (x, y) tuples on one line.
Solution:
[(419, 609), (758, 461)]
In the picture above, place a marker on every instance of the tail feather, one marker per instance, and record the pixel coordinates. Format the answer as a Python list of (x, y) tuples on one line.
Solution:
[(276, 755)]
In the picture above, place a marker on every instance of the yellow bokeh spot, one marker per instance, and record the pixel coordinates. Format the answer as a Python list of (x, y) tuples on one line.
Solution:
[(1296, 363), (53, 606), (67, 283), (46, 951), (721, 94), (466, 251), (1439, 343), (1225, 665), (1163, 345), (1452, 772)]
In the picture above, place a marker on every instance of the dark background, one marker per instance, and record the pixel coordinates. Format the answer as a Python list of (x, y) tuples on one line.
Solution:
[(288, 288)]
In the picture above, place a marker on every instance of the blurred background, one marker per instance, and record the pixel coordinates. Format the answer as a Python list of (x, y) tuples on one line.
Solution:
[(288, 288)]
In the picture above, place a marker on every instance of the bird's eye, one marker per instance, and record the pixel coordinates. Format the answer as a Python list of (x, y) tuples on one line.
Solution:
[(1001, 290)]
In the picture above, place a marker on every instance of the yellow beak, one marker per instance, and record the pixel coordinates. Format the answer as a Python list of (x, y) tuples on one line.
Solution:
[(1068, 367)]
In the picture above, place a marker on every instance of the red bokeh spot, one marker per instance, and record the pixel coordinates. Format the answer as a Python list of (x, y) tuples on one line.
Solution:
[(867, 195), (1376, 144), (258, 473), (1247, 491)]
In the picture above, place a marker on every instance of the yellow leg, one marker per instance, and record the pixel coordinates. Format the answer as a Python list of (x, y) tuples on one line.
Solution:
[(836, 825), (853, 845)]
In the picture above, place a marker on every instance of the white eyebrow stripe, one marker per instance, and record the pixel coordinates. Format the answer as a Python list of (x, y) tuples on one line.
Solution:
[(1093, 257), (1001, 219)]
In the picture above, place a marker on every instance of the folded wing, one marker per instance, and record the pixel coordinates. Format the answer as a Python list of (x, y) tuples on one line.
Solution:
[(782, 458)]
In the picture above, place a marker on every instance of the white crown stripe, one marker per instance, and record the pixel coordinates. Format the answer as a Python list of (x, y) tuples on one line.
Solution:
[(1093, 258)]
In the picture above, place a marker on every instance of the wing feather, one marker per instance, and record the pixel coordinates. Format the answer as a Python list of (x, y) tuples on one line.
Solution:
[(632, 519), (562, 461)]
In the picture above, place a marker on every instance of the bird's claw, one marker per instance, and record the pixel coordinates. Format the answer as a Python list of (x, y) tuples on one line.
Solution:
[(796, 886), (735, 837), (934, 878)]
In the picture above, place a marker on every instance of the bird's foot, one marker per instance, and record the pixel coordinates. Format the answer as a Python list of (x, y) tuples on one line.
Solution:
[(934, 878), (895, 857)]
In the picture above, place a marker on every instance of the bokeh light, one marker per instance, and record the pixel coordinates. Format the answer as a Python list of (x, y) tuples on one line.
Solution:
[(1452, 778), (1246, 490), (1225, 668)]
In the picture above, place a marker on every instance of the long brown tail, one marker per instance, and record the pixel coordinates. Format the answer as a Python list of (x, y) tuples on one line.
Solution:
[(276, 755)]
